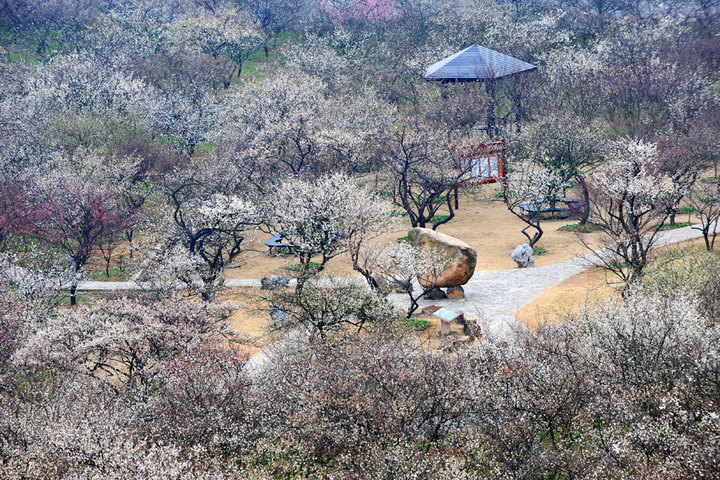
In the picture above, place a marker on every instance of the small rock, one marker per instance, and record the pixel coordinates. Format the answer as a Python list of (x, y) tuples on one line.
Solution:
[(273, 281), (471, 327), (279, 317), (523, 256), (435, 294), (455, 292)]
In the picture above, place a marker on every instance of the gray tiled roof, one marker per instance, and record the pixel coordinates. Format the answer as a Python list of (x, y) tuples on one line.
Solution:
[(476, 63)]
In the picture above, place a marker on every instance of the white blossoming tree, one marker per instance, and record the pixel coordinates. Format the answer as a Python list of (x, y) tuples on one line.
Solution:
[(325, 218), (566, 145), (207, 225), (293, 124), (224, 34), (421, 171), (404, 268), (528, 191), (629, 195), (705, 198)]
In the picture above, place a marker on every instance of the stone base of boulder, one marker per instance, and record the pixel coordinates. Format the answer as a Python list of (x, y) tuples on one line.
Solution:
[(435, 294), (455, 292)]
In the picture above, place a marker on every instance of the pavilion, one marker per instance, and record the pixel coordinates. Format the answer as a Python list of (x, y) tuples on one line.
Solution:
[(480, 64)]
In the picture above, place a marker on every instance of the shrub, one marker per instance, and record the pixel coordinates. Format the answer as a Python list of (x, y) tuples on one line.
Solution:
[(295, 267), (439, 218), (414, 324), (669, 226), (329, 304), (576, 227), (688, 271)]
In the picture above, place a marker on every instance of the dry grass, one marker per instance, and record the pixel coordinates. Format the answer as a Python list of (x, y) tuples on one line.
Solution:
[(580, 290), (575, 292)]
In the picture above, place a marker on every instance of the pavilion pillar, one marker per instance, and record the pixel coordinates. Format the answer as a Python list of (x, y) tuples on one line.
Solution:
[(518, 111), (490, 90)]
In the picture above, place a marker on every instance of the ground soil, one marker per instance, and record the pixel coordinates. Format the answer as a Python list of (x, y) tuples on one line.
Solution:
[(575, 292), (251, 317), (486, 225), (583, 289)]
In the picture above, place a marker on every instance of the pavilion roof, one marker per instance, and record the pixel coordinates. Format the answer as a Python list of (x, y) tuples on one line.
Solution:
[(476, 63)]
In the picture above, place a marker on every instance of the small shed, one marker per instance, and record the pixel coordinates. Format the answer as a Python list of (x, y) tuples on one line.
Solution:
[(484, 161)]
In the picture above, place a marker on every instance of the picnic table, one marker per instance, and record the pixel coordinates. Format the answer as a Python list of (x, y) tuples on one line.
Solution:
[(276, 242), (535, 208)]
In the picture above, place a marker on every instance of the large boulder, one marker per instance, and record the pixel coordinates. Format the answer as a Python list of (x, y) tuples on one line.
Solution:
[(462, 256), (523, 256)]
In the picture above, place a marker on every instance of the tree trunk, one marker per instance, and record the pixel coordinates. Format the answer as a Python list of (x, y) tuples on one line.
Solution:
[(129, 235), (518, 112), (586, 198), (73, 292)]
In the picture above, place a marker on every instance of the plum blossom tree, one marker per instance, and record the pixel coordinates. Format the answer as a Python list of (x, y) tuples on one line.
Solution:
[(11, 326), (373, 11), (324, 218), (124, 340), (186, 116), (223, 34), (529, 190), (642, 92), (705, 198), (334, 304), (271, 17), (294, 124), (403, 267), (274, 126), (75, 217), (684, 155), (207, 227), (421, 172), (568, 147), (213, 231), (126, 174), (10, 208), (36, 277), (629, 196)]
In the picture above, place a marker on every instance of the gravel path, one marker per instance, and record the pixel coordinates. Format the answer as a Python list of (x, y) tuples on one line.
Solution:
[(492, 295)]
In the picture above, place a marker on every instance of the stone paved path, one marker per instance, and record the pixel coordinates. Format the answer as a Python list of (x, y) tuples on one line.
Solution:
[(493, 295)]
